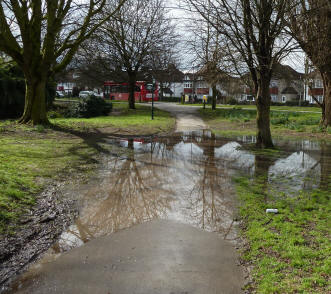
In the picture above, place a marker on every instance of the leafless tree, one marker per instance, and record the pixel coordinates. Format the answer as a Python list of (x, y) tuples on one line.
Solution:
[(255, 32), (42, 36), (207, 46), (139, 30), (309, 22)]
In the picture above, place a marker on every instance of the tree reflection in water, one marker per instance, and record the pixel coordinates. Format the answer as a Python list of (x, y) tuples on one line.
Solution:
[(186, 178), (212, 198), (128, 196)]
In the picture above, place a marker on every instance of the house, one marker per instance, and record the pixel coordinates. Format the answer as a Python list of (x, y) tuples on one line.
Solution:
[(176, 89), (286, 85), (314, 87), (170, 81), (195, 85), (67, 82)]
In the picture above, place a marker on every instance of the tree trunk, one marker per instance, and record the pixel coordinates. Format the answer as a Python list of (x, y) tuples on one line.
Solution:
[(35, 102), (213, 101), (132, 85), (326, 114), (263, 139)]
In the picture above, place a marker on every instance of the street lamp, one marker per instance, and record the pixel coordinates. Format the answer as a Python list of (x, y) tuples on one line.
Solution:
[(153, 89)]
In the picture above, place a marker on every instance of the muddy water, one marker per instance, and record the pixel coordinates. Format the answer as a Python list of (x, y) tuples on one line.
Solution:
[(186, 177)]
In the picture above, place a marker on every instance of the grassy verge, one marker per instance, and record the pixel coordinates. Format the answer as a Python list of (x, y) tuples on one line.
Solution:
[(136, 120), (32, 157), (290, 251), (253, 107), (238, 121)]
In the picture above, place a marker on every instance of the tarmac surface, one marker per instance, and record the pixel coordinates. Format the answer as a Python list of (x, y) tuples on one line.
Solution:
[(159, 257)]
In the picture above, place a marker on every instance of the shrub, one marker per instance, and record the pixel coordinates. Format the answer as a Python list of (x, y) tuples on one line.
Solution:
[(279, 118), (171, 99), (90, 107), (233, 101), (55, 114)]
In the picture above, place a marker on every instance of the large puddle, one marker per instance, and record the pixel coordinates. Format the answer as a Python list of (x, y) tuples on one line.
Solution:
[(187, 177)]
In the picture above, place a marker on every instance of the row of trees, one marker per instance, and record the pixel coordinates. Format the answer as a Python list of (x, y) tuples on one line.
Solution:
[(254, 36), (127, 37), (44, 36)]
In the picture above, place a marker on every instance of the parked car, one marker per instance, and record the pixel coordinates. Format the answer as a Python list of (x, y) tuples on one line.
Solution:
[(59, 94), (100, 95), (85, 94)]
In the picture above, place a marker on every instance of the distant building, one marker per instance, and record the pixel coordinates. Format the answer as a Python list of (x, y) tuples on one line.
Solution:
[(314, 87), (286, 85), (67, 82)]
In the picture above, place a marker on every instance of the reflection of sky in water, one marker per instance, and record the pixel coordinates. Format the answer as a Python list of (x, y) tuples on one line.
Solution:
[(300, 169), (237, 158), (188, 149)]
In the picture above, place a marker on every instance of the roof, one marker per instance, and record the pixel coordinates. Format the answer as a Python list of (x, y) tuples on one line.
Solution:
[(281, 71), (167, 91), (289, 90)]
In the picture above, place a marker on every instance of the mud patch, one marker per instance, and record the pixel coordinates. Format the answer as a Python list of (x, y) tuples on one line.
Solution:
[(37, 232)]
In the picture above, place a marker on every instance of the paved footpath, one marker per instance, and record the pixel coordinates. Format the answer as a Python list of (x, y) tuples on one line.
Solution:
[(158, 257), (186, 117)]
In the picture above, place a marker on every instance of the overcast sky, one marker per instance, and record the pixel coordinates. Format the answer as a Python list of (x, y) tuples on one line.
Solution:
[(181, 17)]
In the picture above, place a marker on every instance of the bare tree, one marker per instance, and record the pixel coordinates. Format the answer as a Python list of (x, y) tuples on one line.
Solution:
[(207, 48), (42, 36), (255, 32), (310, 24), (139, 30)]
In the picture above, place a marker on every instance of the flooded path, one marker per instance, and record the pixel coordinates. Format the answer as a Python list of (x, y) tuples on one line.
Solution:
[(160, 215)]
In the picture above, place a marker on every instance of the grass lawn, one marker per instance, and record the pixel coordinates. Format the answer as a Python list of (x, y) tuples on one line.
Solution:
[(124, 118), (290, 251), (253, 107), (32, 157), (238, 121)]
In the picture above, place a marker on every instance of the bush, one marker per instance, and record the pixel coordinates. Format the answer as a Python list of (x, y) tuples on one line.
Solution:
[(291, 103), (170, 99), (90, 107), (233, 101)]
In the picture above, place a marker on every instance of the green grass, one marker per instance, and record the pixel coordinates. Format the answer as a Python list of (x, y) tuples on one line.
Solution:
[(244, 121), (139, 119), (290, 251), (253, 107), (26, 163)]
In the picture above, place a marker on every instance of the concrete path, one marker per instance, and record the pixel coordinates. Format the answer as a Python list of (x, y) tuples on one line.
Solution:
[(160, 257), (186, 117)]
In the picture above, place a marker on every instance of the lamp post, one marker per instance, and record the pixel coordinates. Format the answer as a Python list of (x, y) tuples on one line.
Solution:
[(153, 89)]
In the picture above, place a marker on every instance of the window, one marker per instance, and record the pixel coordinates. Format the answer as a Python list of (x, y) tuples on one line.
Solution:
[(284, 99), (318, 84), (274, 98), (320, 99), (273, 84)]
